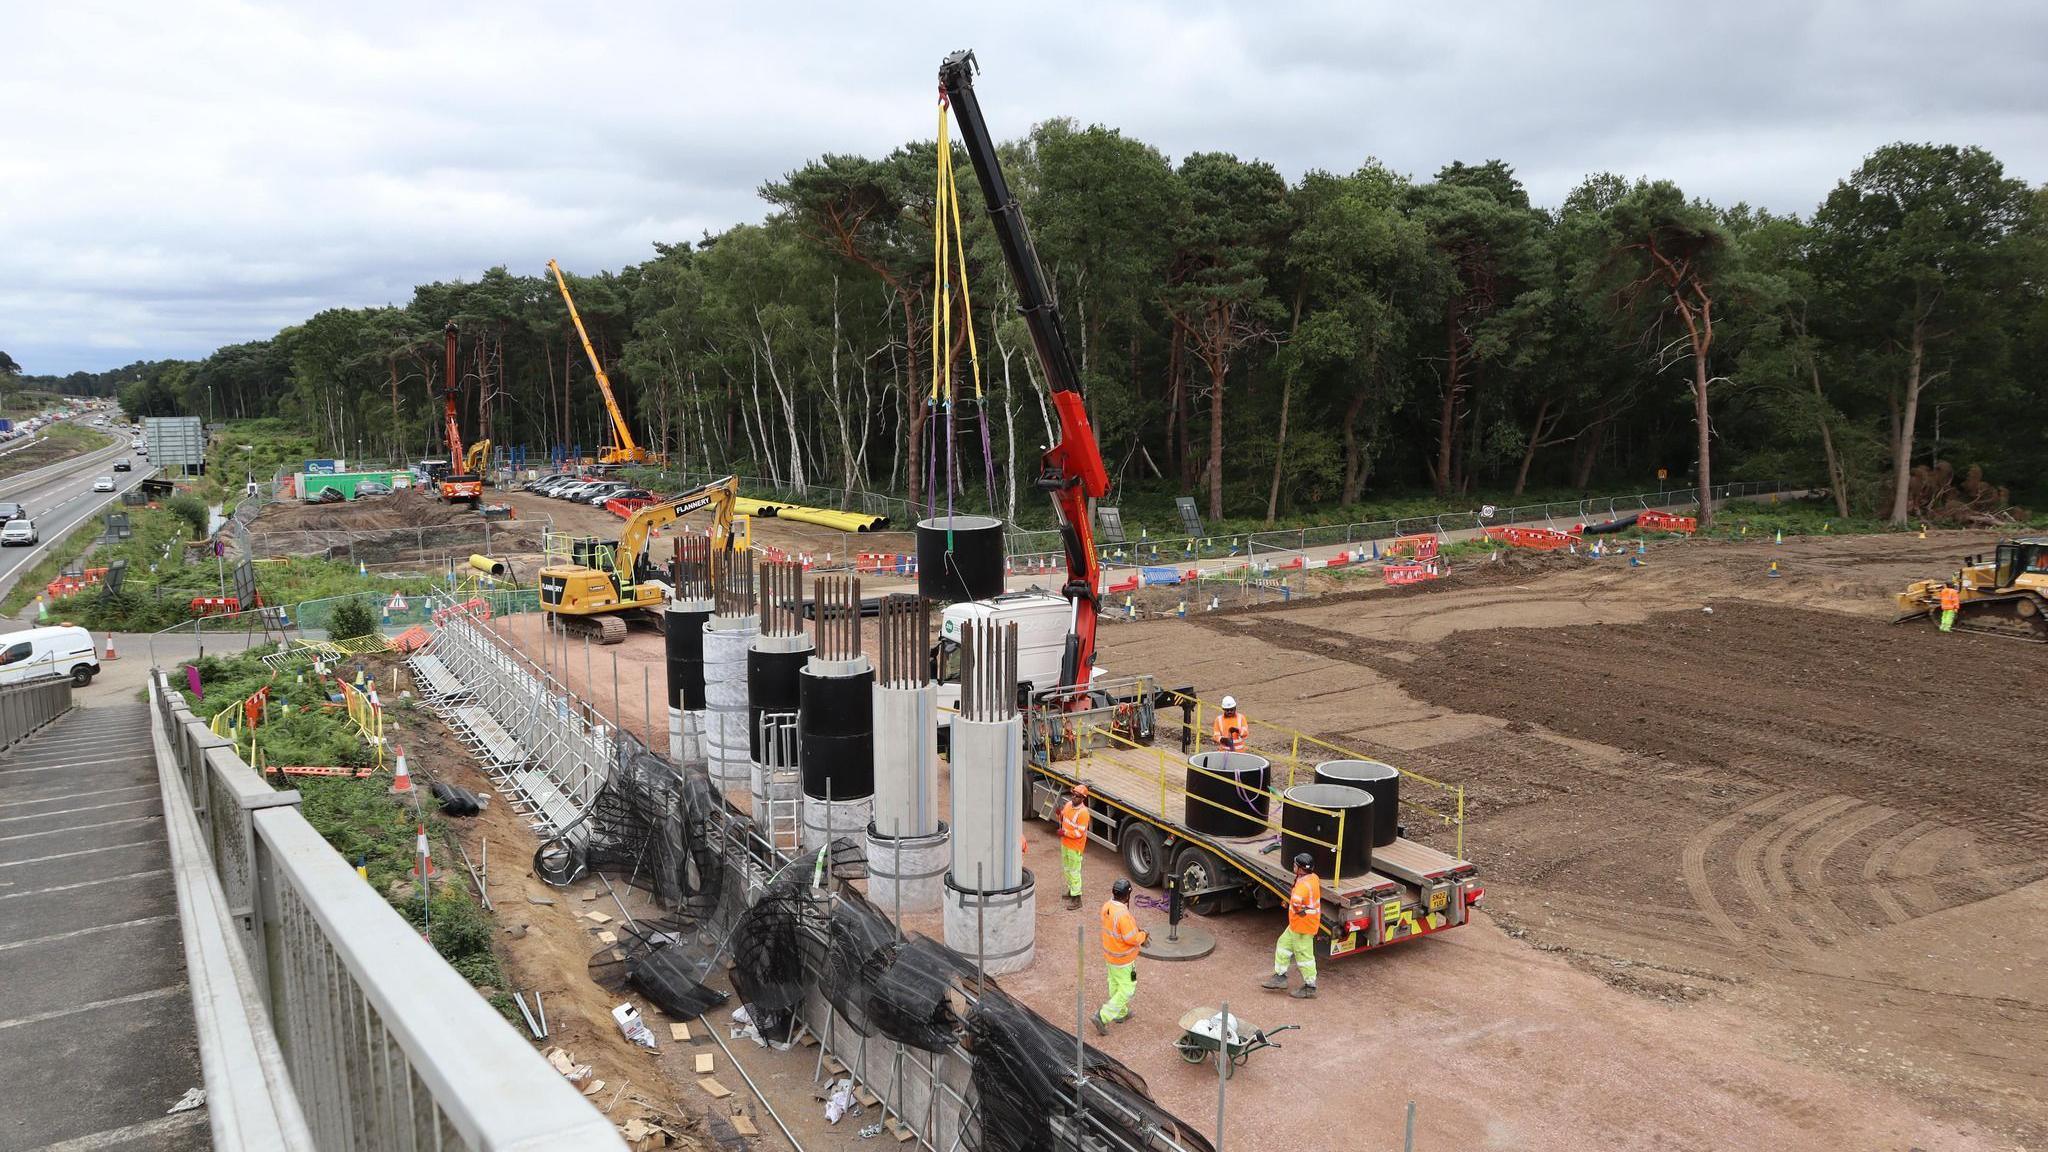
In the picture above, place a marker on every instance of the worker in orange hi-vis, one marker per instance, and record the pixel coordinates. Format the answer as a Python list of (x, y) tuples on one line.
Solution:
[(1121, 939), (1230, 729), (1951, 603), (1304, 918), (1074, 817)]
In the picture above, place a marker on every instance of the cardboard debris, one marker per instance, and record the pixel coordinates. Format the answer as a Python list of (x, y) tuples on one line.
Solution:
[(641, 1136), (703, 1063), (593, 1088), (744, 1126), (573, 1072), (679, 1031), (718, 1091)]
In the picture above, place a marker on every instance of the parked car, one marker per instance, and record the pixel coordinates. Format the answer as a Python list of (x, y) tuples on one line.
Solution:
[(18, 532), (556, 484), (103, 484), (123, 466), (631, 494), (545, 479), (372, 488), (598, 494), (36, 653), (576, 490)]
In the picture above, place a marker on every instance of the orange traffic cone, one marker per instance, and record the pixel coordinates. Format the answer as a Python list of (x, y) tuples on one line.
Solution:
[(111, 654), (426, 859), (401, 780)]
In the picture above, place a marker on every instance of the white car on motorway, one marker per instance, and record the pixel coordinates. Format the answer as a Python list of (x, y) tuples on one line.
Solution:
[(18, 532), (103, 484)]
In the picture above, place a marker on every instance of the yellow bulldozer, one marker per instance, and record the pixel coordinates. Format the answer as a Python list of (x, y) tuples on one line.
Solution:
[(2006, 595), (601, 585)]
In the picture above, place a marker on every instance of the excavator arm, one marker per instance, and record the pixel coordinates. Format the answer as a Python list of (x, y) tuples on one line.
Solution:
[(449, 388), (625, 451), (1071, 471), (722, 496)]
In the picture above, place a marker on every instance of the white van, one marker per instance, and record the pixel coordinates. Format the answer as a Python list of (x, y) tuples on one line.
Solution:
[(36, 653), (1042, 620)]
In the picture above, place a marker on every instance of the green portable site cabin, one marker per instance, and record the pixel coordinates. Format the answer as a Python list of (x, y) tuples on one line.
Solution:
[(312, 484)]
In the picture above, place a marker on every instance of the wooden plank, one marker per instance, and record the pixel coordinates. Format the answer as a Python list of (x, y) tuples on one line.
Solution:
[(718, 1091), (704, 1063), (679, 1031), (596, 917), (744, 1125)]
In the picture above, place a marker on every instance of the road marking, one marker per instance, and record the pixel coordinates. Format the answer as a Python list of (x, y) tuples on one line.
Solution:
[(67, 764), (87, 883), (82, 827), (95, 1005), (82, 852), (80, 795), (86, 808), (75, 933), (124, 1137)]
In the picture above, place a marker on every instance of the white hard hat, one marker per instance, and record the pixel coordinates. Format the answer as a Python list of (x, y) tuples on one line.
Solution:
[(1230, 701)]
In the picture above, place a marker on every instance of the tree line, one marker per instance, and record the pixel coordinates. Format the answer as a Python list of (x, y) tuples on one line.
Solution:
[(1271, 347)]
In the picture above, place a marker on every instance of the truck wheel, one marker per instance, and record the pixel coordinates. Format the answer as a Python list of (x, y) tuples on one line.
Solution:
[(1195, 869), (1144, 853)]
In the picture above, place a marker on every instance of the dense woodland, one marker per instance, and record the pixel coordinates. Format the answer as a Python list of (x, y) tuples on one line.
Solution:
[(1271, 348)]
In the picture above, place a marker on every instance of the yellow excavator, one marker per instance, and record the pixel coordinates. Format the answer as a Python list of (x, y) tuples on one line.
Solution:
[(2006, 595), (623, 450), (603, 585)]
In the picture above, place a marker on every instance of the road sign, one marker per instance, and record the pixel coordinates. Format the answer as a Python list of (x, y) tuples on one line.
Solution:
[(1661, 474), (1112, 522)]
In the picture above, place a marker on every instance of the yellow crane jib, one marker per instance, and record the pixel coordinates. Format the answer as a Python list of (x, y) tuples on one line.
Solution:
[(625, 450), (598, 590)]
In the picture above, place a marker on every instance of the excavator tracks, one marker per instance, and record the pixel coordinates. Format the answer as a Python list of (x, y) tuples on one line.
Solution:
[(2019, 616), (604, 629)]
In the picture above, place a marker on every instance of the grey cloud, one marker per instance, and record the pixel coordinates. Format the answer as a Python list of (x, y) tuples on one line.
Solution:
[(201, 174)]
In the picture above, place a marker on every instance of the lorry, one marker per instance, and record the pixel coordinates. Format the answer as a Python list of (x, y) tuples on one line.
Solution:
[(1131, 740)]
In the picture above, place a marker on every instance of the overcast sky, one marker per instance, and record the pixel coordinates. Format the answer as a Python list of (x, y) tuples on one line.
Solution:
[(183, 174)]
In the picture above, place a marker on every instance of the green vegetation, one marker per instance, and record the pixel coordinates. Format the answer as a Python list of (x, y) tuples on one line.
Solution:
[(259, 448), (1316, 348), (54, 443), (358, 817), (164, 574), (351, 618)]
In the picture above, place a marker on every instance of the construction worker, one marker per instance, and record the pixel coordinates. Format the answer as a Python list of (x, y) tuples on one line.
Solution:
[(1304, 918), (1951, 603), (1230, 729), (1121, 938), (1074, 817)]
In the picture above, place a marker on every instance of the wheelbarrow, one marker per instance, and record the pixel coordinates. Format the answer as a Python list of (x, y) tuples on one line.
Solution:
[(1203, 1034)]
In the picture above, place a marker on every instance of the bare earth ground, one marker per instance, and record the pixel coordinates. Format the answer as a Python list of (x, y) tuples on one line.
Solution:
[(1766, 877)]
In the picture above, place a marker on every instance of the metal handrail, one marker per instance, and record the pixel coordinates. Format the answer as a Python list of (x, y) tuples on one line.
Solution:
[(378, 1042), (26, 707)]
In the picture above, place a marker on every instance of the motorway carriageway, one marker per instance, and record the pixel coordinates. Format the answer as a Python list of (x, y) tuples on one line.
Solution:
[(59, 496)]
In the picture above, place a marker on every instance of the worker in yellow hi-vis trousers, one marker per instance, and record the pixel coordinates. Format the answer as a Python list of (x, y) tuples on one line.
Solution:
[(1074, 817), (1951, 603), (1304, 918), (1121, 938)]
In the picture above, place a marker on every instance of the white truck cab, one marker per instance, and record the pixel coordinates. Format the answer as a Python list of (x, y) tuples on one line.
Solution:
[(1043, 620)]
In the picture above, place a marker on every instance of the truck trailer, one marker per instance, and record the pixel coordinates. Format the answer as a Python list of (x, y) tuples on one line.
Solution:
[(1131, 743)]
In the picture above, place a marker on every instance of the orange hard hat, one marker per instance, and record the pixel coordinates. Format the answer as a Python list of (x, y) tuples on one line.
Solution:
[(1080, 789)]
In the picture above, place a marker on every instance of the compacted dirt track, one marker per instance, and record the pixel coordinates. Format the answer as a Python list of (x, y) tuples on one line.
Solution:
[(1785, 807)]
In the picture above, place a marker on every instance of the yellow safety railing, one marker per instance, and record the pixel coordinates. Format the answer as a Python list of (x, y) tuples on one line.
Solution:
[(368, 717), (1286, 747), (1168, 771)]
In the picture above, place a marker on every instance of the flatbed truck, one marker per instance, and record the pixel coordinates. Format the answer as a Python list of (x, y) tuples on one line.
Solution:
[(1137, 794)]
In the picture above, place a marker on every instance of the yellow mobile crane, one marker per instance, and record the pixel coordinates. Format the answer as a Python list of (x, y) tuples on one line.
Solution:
[(624, 451), (601, 585)]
